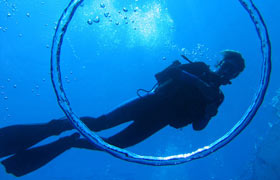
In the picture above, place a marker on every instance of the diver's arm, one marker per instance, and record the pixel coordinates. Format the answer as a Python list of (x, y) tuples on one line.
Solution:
[(210, 111), (200, 124)]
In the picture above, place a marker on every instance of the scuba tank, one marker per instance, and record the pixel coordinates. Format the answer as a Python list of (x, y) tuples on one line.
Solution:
[(163, 76)]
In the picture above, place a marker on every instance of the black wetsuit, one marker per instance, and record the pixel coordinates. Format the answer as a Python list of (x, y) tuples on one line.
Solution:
[(186, 94), (175, 102), (188, 105)]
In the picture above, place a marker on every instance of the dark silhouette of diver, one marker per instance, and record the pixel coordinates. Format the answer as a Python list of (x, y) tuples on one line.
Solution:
[(185, 94)]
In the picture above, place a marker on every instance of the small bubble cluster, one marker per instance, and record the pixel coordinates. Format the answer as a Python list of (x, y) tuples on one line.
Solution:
[(95, 20), (4, 29), (108, 15)]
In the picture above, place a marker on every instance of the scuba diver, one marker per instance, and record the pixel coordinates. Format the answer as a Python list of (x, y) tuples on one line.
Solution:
[(184, 94)]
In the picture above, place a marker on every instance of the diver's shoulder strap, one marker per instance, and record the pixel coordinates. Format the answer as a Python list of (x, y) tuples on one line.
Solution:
[(196, 68)]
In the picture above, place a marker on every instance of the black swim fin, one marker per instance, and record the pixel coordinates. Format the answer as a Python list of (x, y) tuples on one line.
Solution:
[(14, 139), (30, 160)]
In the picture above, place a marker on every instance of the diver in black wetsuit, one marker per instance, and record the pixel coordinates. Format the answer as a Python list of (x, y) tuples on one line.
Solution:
[(185, 94)]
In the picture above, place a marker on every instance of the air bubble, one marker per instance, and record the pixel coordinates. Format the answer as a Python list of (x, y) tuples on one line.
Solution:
[(164, 58), (6, 97), (125, 17), (106, 14), (15, 86), (4, 29), (102, 5), (117, 23), (96, 19), (136, 9), (28, 14), (9, 14), (89, 21), (125, 9)]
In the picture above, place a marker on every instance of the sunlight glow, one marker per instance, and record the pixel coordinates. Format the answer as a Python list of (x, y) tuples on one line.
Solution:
[(148, 25)]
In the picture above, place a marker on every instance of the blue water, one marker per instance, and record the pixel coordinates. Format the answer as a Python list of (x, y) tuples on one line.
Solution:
[(103, 64)]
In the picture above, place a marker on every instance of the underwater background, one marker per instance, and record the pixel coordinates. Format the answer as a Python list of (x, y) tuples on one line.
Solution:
[(111, 49)]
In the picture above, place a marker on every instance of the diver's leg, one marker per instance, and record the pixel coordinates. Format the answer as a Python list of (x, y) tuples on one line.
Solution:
[(134, 109), (128, 111), (122, 114), (29, 160), (136, 132), (32, 159), (19, 137), (16, 138)]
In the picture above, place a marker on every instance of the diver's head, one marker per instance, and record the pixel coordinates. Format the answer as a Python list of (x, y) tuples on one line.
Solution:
[(230, 66)]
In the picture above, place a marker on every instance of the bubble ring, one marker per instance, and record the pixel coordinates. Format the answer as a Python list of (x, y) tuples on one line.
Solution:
[(168, 160)]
